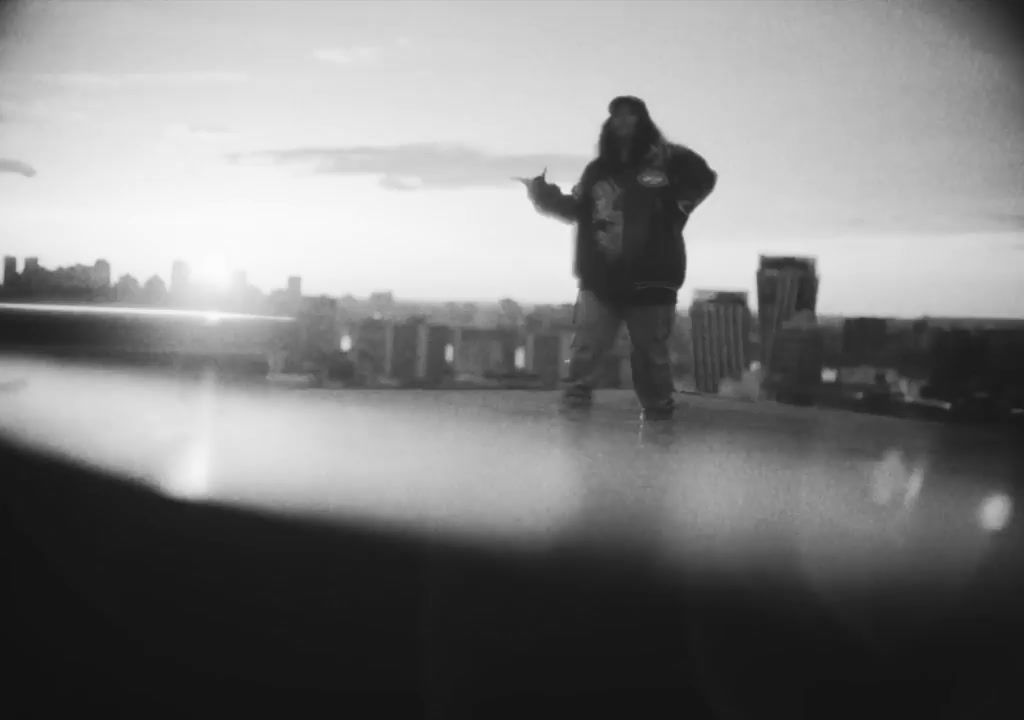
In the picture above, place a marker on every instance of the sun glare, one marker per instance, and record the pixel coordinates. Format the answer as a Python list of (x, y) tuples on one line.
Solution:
[(994, 512), (213, 272)]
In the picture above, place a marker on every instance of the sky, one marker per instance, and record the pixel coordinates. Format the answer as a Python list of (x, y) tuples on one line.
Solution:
[(369, 146)]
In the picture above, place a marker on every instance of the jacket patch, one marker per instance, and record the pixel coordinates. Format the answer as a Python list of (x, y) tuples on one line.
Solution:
[(652, 178)]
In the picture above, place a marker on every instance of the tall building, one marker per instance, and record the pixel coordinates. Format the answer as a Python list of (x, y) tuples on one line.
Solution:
[(434, 363), (382, 300), (1005, 360), (417, 352), (31, 276), (785, 286), (798, 358), (405, 352), (10, 272), (372, 348), (484, 352), (958, 358), (720, 325), (101, 274), (864, 339), (321, 335), (290, 300), (546, 356)]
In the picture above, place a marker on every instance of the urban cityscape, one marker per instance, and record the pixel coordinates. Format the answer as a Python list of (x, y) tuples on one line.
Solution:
[(782, 350)]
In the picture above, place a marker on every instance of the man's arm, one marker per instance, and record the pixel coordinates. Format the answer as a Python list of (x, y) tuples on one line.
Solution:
[(694, 179), (548, 199)]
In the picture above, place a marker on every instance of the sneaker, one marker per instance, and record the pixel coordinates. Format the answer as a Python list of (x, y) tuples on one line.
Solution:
[(574, 407), (648, 415), (657, 433), (577, 398)]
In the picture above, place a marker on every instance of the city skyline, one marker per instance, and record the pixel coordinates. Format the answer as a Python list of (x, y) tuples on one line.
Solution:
[(882, 139), (229, 281)]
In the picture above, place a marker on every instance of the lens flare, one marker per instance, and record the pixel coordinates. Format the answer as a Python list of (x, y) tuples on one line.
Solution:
[(213, 273), (188, 478), (994, 512)]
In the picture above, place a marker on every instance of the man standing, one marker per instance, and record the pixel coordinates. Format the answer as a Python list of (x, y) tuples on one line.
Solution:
[(630, 208)]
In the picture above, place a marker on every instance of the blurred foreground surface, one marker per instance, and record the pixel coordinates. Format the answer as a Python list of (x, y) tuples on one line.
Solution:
[(464, 554)]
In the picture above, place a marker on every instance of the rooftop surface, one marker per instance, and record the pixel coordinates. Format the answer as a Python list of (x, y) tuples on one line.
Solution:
[(845, 553), (505, 466)]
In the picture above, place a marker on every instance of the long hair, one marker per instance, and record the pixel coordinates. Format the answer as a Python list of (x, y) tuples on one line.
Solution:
[(645, 136)]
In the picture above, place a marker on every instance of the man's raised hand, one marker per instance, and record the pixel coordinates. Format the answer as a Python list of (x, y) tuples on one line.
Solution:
[(535, 183)]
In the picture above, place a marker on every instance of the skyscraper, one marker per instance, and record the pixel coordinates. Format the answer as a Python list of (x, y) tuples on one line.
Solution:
[(291, 301), (798, 357), (785, 286), (720, 326), (31, 276), (405, 364), (373, 348), (433, 362), (417, 352), (10, 272), (863, 340), (957, 363), (546, 356), (101, 274), (320, 336), (484, 352)]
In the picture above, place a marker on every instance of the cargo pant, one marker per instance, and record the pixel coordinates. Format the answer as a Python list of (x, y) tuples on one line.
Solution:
[(596, 326)]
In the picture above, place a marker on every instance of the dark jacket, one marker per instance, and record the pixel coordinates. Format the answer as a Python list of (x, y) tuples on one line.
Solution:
[(629, 223)]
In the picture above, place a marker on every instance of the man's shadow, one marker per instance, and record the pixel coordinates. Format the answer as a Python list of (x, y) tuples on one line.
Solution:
[(624, 475)]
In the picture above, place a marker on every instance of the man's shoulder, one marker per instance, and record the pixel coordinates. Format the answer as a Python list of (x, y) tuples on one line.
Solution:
[(591, 173), (682, 160), (592, 168), (678, 153), (666, 155)]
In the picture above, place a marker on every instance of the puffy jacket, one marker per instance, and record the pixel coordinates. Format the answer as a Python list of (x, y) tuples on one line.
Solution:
[(629, 222)]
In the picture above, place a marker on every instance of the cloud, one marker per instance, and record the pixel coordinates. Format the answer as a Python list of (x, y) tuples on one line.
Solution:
[(912, 221), (1007, 220), (428, 166), (207, 133), (361, 54), (348, 56), (40, 110), (108, 81), (394, 182), (17, 167)]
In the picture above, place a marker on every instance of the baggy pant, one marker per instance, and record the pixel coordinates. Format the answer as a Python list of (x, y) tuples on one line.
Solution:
[(596, 325)]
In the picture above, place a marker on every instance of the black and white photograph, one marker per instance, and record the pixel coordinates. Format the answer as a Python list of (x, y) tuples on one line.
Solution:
[(512, 358)]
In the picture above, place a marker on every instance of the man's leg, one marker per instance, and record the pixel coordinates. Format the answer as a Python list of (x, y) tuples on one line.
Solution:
[(649, 330), (595, 326)]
